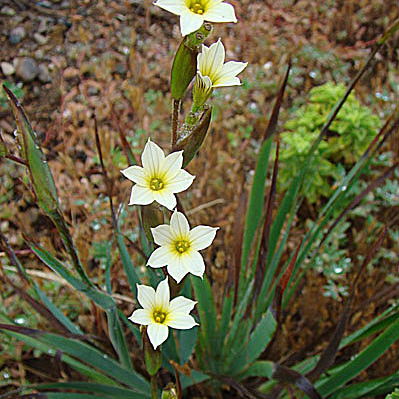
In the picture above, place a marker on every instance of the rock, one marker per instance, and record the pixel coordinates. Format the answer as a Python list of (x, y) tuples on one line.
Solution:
[(27, 69), (17, 34), (44, 24), (10, 12), (7, 68), (40, 39), (44, 74), (45, 3)]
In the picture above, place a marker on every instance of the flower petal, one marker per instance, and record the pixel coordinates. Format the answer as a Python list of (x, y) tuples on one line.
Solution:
[(141, 195), (172, 165), (174, 6), (179, 225), (162, 295), (166, 198), (146, 296), (181, 304), (162, 234), (177, 269), (224, 82), (202, 236), (190, 22), (141, 316), (160, 257), (194, 263), (211, 59), (180, 320), (233, 68), (182, 181), (157, 333), (152, 157), (222, 12), (136, 174)]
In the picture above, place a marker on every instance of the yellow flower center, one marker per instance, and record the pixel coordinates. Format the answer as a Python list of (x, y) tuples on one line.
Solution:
[(182, 246), (159, 316), (197, 7), (156, 184)]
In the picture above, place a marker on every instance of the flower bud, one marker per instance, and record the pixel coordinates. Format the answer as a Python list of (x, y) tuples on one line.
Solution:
[(151, 216), (39, 172), (194, 137), (184, 65)]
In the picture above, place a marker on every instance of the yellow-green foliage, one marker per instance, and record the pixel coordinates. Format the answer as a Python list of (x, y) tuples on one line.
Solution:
[(347, 139)]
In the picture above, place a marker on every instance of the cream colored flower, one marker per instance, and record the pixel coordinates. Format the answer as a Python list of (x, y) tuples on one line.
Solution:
[(179, 247), (193, 13), (211, 66), (159, 178), (213, 72), (159, 312)]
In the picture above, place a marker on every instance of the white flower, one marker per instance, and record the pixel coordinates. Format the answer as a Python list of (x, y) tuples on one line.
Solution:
[(159, 312), (211, 66), (159, 178), (193, 13), (213, 72), (179, 246)]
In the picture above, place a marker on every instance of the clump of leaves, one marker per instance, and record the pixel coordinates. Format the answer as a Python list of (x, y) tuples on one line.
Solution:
[(347, 138)]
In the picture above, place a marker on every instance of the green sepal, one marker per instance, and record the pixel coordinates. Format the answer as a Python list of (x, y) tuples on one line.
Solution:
[(184, 65), (192, 140)]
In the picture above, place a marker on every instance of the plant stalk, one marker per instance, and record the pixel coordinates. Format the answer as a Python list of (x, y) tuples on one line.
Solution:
[(154, 387), (175, 121)]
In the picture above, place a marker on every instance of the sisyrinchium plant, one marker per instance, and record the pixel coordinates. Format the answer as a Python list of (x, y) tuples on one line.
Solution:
[(186, 342)]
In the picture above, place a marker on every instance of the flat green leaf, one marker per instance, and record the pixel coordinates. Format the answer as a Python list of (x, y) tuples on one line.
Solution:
[(118, 338), (261, 368), (109, 391), (242, 307), (361, 389), (255, 206), (187, 340), (364, 359), (99, 297), (80, 367), (261, 336), (132, 276), (206, 307), (92, 356), (57, 312), (224, 321)]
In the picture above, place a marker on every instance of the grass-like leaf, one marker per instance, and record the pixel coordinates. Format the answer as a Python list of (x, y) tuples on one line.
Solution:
[(88, 387), (363, 360), (88, 354)]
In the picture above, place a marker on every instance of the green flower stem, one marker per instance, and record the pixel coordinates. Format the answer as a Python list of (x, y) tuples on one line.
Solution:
[(175, 121), (154, 387)]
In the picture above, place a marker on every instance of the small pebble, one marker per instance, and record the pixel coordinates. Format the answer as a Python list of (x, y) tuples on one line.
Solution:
[(45, 3), (40, 39), (7, 11), (27, 69), (44, 74), (7, 68), (17, 34)]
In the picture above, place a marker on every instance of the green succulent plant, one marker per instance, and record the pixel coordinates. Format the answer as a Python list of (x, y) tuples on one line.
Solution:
[(348, 137)]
